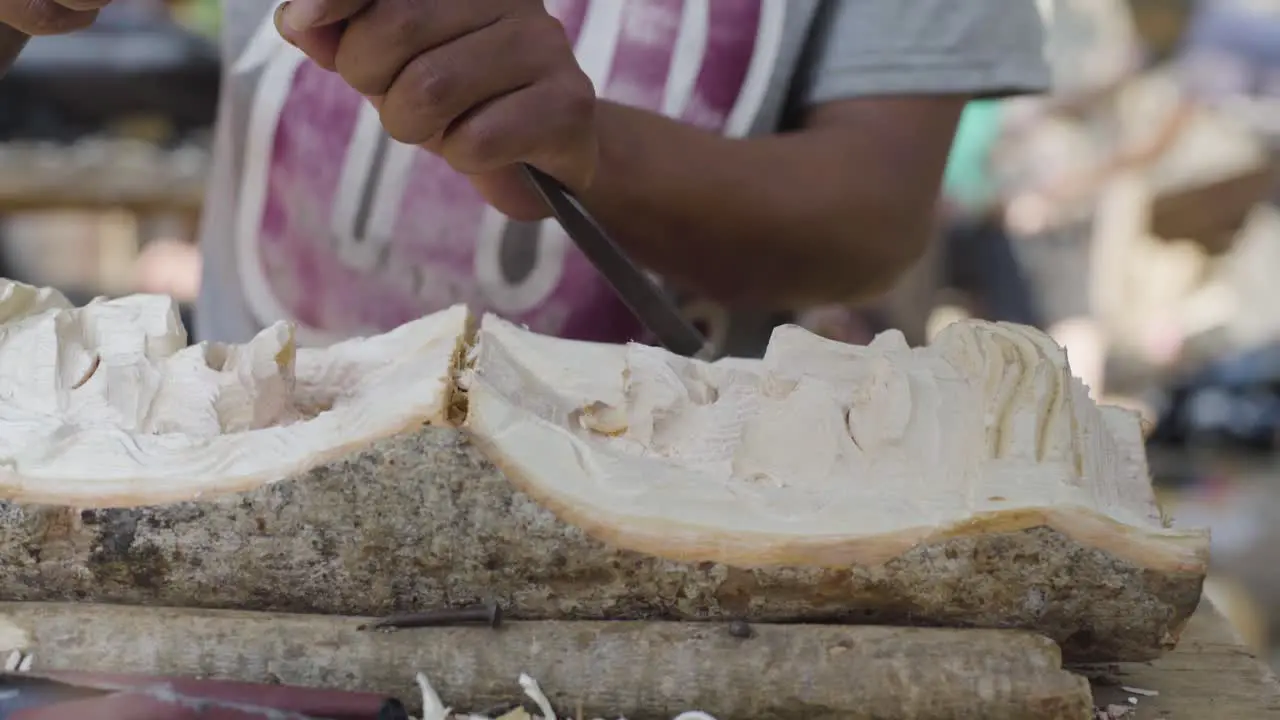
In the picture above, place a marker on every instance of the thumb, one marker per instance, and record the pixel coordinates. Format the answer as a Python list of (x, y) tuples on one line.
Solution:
[(304, 15), (320, 43)]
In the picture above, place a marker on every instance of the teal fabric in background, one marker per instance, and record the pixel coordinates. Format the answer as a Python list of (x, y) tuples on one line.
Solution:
[(968, 182)]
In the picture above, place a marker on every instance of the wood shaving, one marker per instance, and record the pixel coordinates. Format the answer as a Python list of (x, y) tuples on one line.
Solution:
[(18, 662), (1140, 691), (434, 709)]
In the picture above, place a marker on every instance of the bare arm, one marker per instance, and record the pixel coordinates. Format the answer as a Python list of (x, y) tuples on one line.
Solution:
[(832, 212)]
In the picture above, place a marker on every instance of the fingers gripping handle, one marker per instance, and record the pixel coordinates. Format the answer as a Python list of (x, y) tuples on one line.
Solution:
[(11, 44)]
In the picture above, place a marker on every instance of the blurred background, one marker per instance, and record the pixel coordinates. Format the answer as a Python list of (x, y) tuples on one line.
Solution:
[(1134, 214), (104, 146)]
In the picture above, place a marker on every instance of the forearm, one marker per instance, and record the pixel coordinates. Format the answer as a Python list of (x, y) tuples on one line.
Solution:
[(784, 220)]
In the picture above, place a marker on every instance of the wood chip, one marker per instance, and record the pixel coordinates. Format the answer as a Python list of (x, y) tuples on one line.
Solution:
[(1140, 691)]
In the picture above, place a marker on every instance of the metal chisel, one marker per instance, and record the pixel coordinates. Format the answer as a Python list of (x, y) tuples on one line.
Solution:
[(641, 294), (11, 44)]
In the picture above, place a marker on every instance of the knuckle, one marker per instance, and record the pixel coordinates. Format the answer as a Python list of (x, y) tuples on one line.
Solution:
[(545, 25), (403, 126), (547, 43), (333, 11), (433, 81), (417, 107), (401, 132), (405, 23), (84, 4), (45, 17), (574, 97), (355, 71), (484, 143), (378, 44), (362, 82), (580, 97), (480, 145)]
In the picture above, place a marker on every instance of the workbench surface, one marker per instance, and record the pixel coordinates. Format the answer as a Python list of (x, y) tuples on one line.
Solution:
[(1211, 676)]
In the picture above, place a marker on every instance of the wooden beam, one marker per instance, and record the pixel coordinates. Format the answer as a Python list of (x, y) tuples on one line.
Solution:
[(640, 670)]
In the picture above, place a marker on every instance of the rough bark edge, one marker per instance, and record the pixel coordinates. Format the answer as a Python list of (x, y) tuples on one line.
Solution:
[(360, 537)]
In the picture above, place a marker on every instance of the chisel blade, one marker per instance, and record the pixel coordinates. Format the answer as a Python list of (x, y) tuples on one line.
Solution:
[(11, 44), (641, 294)]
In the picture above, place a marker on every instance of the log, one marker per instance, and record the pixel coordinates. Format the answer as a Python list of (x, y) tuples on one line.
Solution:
[(422, 520), (637, 670), (985, 489)]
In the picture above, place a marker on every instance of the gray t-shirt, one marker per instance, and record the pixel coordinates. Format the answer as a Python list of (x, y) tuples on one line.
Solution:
[(315, 216)]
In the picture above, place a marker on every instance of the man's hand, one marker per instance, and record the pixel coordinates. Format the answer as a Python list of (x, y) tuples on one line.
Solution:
[(485, 84), (50, 17)]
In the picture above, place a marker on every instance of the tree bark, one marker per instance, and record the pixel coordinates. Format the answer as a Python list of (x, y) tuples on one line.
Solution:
[(423, 521), (637, 670)]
